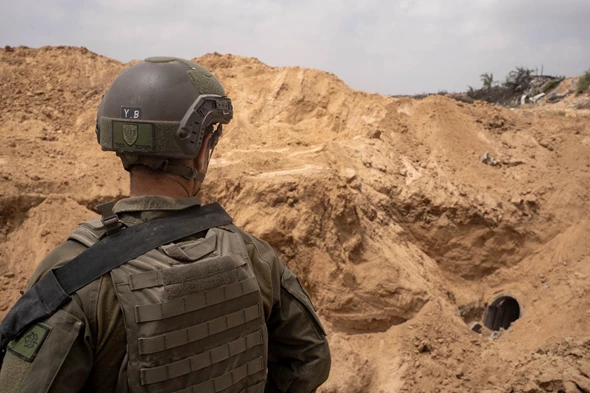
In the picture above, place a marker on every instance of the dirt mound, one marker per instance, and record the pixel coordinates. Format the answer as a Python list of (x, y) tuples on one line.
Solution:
[(383, 206)]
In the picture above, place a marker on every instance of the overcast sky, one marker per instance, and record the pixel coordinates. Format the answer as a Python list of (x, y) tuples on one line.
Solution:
[(389, 47)]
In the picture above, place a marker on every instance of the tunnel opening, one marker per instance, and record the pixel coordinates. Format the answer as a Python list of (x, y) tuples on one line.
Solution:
[(501, 313)]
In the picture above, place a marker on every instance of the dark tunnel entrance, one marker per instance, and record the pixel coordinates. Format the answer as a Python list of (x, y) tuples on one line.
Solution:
[(501, 313)]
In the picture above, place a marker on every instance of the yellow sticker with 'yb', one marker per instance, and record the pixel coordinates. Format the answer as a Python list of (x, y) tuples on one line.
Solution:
[(30, 342)]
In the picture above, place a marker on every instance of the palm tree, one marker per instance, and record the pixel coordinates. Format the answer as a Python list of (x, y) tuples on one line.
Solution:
[(487, 79)]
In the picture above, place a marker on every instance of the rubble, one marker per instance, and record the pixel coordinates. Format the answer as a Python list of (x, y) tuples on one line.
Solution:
[(486, 158)]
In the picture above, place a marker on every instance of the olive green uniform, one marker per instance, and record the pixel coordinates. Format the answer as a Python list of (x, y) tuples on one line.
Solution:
[(83, 345)]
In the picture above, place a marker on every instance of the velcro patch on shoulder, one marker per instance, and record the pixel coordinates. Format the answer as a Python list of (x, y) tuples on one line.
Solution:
[(29, 344)]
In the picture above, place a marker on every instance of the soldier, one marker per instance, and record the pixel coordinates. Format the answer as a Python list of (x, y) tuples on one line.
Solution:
[(120, 307)]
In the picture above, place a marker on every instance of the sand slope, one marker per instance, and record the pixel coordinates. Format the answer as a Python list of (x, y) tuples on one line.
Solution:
[(381, 205)]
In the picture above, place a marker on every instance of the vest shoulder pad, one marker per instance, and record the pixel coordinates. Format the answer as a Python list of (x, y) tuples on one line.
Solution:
[(89, 232)]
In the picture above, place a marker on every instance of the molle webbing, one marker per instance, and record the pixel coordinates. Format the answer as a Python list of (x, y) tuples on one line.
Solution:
[(186, 304), (200, 361), (226, 380), (194, 317), (183, 274), (198, 332)]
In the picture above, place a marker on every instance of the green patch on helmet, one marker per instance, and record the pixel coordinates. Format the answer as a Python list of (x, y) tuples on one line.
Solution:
[(133, 137)]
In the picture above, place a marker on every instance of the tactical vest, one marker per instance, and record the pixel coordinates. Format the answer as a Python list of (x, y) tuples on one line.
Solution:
[(193, 316)]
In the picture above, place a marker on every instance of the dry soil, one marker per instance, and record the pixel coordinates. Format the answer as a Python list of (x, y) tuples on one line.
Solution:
[(381, 205)]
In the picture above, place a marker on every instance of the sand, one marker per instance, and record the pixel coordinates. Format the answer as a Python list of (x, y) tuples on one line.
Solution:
[(381, 205)]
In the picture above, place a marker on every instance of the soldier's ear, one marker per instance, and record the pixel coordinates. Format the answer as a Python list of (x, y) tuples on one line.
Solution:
[(202, 159)]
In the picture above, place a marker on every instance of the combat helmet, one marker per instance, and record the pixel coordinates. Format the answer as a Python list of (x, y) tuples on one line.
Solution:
[(157, 112)]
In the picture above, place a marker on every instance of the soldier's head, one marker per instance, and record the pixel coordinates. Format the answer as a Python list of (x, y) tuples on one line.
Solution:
[(164, 115)]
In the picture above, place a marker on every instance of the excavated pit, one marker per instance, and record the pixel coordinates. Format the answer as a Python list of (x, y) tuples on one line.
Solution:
[(379, 204)]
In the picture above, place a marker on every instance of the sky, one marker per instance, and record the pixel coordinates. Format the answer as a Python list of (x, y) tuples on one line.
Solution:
[(387, 47)]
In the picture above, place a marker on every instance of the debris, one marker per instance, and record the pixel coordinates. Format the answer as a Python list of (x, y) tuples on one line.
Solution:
[(554, 97), (497, 333), (487, 159), (537, 97), (476, 327)]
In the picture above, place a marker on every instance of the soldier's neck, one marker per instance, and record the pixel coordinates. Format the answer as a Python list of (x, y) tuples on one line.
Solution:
[(166, 185)]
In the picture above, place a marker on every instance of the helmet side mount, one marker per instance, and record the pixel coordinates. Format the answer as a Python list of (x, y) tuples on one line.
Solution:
[(206, 111)]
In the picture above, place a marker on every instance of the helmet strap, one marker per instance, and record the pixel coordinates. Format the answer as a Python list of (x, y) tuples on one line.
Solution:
[(175, 167), (188, 172)]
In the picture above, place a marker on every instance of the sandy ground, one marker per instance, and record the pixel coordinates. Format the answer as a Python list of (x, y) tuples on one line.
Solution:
[(381, 205)]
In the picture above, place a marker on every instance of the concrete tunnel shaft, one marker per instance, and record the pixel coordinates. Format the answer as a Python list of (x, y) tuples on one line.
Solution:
[(501, 313)]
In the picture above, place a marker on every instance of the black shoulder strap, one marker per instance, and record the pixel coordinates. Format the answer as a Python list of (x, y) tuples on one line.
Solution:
[(55, 287)]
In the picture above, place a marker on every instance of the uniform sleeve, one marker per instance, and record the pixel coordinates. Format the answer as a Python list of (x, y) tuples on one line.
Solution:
[(55, 354), (298, 353), (299, 357)]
